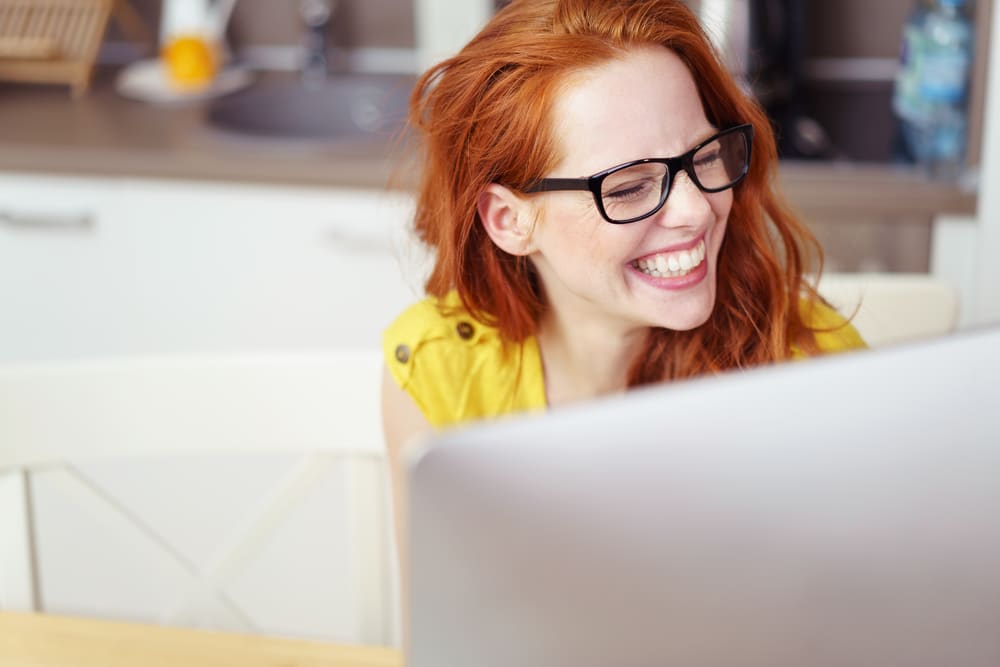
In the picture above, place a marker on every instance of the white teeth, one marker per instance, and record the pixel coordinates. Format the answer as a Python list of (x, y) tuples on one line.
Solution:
[(674, 264)]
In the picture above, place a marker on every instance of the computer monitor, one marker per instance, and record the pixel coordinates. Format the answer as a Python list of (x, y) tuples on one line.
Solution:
[(840, 511)]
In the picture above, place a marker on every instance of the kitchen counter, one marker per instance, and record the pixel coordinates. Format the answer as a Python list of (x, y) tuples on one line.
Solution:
[(43, 130)]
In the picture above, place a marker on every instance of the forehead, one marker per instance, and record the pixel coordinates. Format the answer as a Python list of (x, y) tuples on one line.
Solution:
[(643, 104)]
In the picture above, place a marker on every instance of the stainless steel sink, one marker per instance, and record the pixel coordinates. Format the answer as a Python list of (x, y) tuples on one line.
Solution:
[(340, 107)]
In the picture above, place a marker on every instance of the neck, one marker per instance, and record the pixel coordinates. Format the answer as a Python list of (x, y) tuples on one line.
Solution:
[(585, 360)]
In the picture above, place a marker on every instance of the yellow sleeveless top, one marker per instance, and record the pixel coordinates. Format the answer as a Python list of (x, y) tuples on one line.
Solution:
[(457, 369)]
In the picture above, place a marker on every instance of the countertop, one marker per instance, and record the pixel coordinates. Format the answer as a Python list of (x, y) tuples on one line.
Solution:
[(104, 134)]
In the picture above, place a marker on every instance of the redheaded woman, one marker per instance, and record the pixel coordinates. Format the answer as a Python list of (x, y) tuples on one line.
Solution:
[(599, 195)]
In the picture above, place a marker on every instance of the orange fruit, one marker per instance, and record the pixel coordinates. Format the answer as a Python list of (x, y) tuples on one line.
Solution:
[(191, 61)]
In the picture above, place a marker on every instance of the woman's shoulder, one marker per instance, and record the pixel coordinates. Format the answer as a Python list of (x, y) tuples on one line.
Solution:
[(434, 327), (431, 318), (832, 331), (457, 368)]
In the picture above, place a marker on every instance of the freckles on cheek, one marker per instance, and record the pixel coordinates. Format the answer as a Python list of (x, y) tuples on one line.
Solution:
[(593, 236), (586, 213), (582, 225), (574, 230)]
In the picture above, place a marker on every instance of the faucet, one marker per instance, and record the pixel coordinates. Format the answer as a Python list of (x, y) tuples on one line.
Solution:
[(316, 17)]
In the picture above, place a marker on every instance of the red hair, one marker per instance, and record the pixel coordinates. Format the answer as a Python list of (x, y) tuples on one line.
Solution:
[(484, 116)]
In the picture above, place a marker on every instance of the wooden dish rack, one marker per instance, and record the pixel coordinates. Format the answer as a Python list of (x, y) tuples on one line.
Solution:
[(51, 41)]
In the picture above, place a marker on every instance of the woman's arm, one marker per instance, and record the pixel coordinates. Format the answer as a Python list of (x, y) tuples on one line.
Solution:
[(402, 422)]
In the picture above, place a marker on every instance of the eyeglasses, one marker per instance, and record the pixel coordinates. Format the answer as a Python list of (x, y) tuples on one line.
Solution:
[(636, 190)]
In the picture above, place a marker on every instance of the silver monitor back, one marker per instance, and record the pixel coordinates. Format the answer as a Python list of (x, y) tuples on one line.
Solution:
[(842, 511)]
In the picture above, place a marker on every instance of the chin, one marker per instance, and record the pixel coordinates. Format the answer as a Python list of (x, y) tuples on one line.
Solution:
[(686, 314), (686, 323)]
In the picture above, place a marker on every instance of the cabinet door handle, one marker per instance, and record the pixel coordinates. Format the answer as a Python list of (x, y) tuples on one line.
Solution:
[(356, 241), (70, 221)]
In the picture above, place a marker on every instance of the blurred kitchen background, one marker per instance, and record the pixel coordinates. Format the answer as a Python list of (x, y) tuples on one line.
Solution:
[(824, 69), (267, 211)]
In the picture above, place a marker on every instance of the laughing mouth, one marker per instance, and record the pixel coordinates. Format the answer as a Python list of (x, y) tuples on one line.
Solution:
[(672, 264)]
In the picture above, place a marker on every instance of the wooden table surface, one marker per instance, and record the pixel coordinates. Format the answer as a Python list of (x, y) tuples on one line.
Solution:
[(41, 640)]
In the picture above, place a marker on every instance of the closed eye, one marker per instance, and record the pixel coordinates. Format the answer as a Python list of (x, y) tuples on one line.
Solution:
[(633, 190), (701, 161)]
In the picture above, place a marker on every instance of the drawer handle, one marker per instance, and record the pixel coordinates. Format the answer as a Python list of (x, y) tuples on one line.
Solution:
[(74, 221), (354, 241)]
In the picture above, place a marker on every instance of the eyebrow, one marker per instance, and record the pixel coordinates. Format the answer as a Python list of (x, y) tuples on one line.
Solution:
[(704, 136)]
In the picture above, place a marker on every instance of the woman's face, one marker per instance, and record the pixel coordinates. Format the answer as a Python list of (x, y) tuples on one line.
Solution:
[(642, 105)]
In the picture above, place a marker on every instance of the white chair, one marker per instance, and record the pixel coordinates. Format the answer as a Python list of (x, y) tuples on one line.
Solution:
[(893, 307), (317, 410)]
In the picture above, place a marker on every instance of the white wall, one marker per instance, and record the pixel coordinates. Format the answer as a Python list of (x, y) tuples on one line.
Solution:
[(986, 304), (444, 26), (966, 251)]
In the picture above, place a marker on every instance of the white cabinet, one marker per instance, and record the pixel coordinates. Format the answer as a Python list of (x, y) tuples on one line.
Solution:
[(96, 267)]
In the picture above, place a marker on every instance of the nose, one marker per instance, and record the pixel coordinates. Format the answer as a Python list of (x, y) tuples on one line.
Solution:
[(686, 205)]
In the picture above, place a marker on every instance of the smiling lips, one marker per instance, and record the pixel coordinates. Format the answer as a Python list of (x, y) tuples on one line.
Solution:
[(672, 264)]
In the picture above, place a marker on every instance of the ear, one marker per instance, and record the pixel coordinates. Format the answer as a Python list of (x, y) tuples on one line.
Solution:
[(508, 219)]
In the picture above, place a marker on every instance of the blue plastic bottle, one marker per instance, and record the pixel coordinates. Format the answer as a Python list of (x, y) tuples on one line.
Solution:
[(931, 97), (908, 106)]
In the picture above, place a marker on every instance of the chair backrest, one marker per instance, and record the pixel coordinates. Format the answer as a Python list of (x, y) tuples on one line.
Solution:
[(249, 488), (893, 307)]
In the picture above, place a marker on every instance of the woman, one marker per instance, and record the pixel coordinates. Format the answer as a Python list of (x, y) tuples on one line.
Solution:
[(599, 195)]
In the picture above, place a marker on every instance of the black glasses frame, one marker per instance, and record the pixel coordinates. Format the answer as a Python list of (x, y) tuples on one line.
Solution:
[(674, 165)]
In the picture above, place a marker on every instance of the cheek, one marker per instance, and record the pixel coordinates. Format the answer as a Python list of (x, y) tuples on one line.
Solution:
[(717, 238), (722, 208), (722, 205), (571, 229)]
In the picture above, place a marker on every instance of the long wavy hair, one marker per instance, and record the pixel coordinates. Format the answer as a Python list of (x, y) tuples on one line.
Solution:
[(485, 116)]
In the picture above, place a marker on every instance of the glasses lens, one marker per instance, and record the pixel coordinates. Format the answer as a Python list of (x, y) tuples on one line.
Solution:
[(633, 191), (722, 162)]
